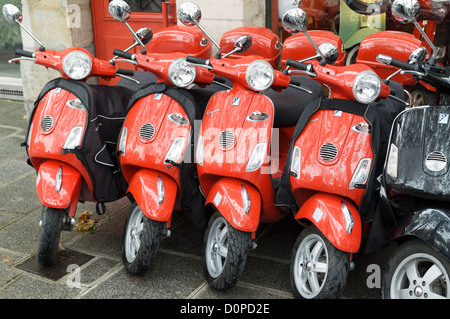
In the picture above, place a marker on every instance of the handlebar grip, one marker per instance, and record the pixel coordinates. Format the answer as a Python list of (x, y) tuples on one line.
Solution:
[(386, 59), (125, 72), (219, 79), (123, 54), (196, 60), (27, 54), (298, 65)]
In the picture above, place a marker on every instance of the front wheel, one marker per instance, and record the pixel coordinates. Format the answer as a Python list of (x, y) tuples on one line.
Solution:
[(225, 252), (50, 228), (141, 239), (317, 268), (416, 271)]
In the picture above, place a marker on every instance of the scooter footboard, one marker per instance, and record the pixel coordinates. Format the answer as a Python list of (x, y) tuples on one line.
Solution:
[(58, 184), (155, 193), (336, 217), (238, 201)]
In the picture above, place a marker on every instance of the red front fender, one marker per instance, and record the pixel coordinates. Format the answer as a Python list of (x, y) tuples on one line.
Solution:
[(227, 195), (326, 212), (58, 184), (147, 187)]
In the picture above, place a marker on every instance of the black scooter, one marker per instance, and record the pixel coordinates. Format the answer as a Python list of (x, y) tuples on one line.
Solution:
[(416, 183)]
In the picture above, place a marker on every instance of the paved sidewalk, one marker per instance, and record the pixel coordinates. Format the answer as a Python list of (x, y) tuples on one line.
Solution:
[(177, 272)]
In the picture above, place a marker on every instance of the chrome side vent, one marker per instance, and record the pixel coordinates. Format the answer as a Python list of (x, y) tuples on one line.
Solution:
[(226, 138), (147, 131), (436, 161), (328, 152), (47, 123)]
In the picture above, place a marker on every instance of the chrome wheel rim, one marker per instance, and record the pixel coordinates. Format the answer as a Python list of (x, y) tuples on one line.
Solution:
[(310, 266), (217, 247), (133, 234), (420, 276)]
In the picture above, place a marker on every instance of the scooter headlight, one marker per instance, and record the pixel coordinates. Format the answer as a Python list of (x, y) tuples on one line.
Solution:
[(74, 138), (391, 167), (361, 174), (181, 74), (295, 162), (175, 151), (77, 65), (259, 75), (123, 141), (366, 87), (199, 153), (257, 157)]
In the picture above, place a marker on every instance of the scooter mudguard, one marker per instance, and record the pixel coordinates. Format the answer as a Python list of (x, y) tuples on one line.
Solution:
[(58, 184), (337, 218), (431, 225), (238, 201), (155, 193)]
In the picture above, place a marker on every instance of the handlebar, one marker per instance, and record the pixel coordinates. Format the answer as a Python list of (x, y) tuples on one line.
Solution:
[(24, 53), (386, 59), (125, 72), (196, 60), (123, 54), (298, 65)]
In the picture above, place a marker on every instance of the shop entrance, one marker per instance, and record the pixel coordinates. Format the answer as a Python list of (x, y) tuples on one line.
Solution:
[(110, 34)]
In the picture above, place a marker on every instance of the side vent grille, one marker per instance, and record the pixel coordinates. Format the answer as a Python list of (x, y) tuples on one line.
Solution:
[(47, 123), (328, 152), (147, 131), (226, 138)]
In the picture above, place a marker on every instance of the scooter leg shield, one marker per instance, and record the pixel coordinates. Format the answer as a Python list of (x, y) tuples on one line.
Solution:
[(155, 193), (336, 217), (58, 184), (238, 201)]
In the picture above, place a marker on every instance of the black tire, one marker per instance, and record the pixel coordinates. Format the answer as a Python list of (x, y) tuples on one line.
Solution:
[(51, 225), (418, 256), (224, 276), (330, 280), (421, 96), (139, 250)]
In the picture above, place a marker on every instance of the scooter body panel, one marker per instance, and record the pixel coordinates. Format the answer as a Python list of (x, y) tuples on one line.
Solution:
[(58, 184), (332, 145), (53, 120), (326, 212), (229, 196), (153, 124), (230, 135), (155, 193)]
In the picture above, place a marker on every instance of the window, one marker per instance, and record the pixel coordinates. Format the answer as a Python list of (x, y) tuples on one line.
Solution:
[(10, 40)]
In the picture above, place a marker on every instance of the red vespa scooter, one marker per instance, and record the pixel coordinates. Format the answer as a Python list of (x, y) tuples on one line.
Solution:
[(71, 135), (335, 156), (156, 143), (233, 148)]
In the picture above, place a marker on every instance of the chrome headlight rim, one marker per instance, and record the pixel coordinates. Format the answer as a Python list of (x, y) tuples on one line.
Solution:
[(67, 63), (250, 73), (362, 78), (178, 65)]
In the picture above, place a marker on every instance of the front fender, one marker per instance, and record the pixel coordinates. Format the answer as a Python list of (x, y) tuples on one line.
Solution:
[(58, 184), (227, 195), (431, 225), (155, 193), (326, 212)]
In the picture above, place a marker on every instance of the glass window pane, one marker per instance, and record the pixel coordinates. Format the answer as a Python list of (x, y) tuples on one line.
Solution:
[(145, 5)]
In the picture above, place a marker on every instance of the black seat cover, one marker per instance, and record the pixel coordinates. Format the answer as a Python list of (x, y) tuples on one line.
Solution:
[(290, 103)]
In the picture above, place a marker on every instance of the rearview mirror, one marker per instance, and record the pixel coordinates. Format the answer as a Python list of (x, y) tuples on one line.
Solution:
[(119, 10), (189, 14), (12, 14)]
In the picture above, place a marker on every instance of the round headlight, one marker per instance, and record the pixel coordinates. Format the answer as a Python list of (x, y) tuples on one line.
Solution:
[(259, 75), (366, 87), (77, 65), (181, 74)]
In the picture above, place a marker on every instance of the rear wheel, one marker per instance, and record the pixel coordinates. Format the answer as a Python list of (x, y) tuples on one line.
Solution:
[(141, 240), (416, 271), (317, 268), (50, 228), (225, 252)]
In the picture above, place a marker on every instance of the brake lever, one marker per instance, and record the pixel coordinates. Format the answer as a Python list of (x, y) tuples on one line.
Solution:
[(128, 78), (209, 67), (22, 59), (125, 60), (302, 72)]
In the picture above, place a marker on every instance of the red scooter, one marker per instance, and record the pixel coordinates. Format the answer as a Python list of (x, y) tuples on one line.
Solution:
[(156, 143), (72, 132), (330, 179), (233, 148)]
